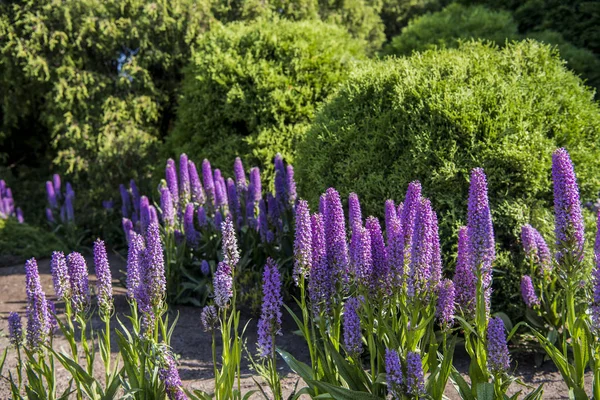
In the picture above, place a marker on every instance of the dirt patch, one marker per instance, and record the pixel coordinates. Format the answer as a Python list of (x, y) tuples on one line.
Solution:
[(194, 346)]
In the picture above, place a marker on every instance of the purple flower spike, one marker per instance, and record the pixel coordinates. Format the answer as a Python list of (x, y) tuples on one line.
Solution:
[(395, 251), (127, 228), (481, 232), (335, 233), (231, 253), (52, 322), (595, 308), (320, 284), (220, 199), (528, 240), (135, 196), (195, 184), (250, 210), (57, 185), (144, 213), (528, 292), (361, 258), (352, 331), (302, 242), (543, 252), (415, 383), (263, 224), (280, 189), (125, 201), (279, 164), (256, 192), (390, 217), (104, 284), (498, 357), (152, 215), (445, 304), (51, 195), (412, 203), (354, 213), (290, 185), (234, 201), (191, 235), (421, 251), (69, 209), (134, 256), (50, 215), (19, 214), (168, 374), (184, 180), (240, 175), (15, 329), (393, 370), (60, 276), (381, 271), (78, 274), (436, 266), (464, 279), (322, 204), (567, 208), (202, 221), (218, 219), (38, 323), (166, 205), (153, 267), (207, 179), (209, 318), (172, 183), (223, 285), (269, 324), (274, 212), (205, 268)]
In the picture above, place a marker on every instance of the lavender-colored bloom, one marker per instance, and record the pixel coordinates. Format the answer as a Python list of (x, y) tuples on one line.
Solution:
[(390, 217), (78, 274), (205, 268), (125, 201), (278, 162), (464, 278), (255, 184), (127, 228), (280, 189), (38, 324), (50, 215), (335, 233), (354, 213), (172, 184), (263, 224), (209, 318), (535, 247), (302, 242), (179, 237), (412, 202), (480, 232), (361, 259), (152, 215), (231, 253), (445, 303), (218, 219), (352, 331), (219, 190), (498, 357), (528, 292), (104, 278), (567, 208), (421, 251), (168, 374), (60, 275), (135, 196), (15, 329), (63, 214), (69, 198), (436, 259), (207, 179), (240, 175), (274, 212), (134, 256), (393, 370), (381, 271), (184, 180), (320, 284), (234, 201), (166, 205), (108, 204), (191, 235), (290, 185), (195, 184), (153, 267), (57, 185), (269, 323), (202, 221), (144, 213), (395, 252), (69, 190), (51, 195), (223, 285), (528, 240), (52, 321), (595, 308), (544, 256), (415, 383), (250, 209), (322, 204), (19, 214)]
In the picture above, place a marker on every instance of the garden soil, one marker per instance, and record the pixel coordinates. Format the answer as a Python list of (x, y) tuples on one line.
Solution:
[(193, 346)]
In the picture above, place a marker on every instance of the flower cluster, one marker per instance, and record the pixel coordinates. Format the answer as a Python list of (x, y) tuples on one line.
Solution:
[(7, 204), (498, 357), (269, 323), (60, 204)]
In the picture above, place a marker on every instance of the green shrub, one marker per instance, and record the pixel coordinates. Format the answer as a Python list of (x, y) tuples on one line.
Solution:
[(438, 114), (456, 22), (396, 14), (19, 242), (251, 89)]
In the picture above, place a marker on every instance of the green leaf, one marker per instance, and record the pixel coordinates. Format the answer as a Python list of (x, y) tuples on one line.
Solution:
[(461, 386), (485, 391), (339, 393)]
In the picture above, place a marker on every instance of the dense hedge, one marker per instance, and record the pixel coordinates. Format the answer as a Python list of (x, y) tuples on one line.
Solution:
[(19, 242), (251, 89), (454, 23), (436, 115)]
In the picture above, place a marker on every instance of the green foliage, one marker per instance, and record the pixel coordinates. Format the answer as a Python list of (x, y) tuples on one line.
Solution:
[(396, 14), (436, 115), (19, 242), (451, 25), (95, 79), (251, 89)]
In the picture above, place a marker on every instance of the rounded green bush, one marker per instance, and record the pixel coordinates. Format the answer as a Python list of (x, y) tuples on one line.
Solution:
[(454, 23), (438, 114), (251, 90), (19, 242)]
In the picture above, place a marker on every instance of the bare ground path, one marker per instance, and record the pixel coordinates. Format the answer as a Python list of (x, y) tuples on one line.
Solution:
[(194, 346)]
